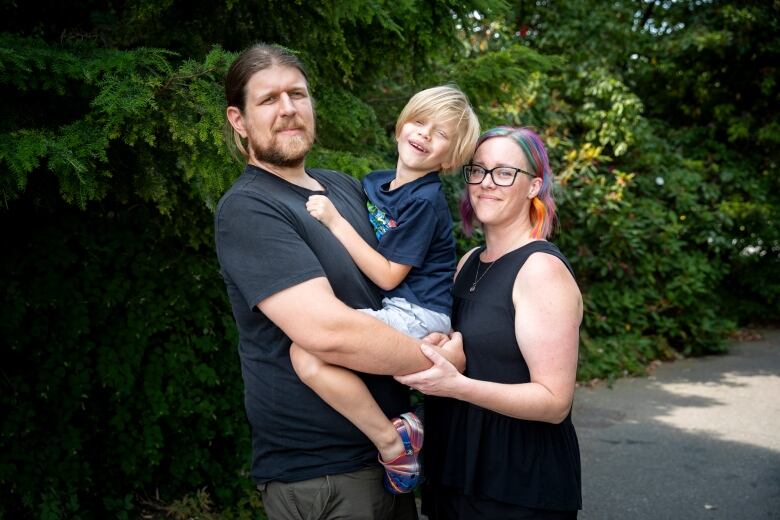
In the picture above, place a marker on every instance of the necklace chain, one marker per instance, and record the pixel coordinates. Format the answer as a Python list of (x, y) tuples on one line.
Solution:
[(477, 278)]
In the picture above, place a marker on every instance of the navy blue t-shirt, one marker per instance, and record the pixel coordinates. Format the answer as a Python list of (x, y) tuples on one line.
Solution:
[(414, 227)]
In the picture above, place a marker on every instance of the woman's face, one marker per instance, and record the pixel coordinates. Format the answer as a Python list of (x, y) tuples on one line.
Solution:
[(495, 204)]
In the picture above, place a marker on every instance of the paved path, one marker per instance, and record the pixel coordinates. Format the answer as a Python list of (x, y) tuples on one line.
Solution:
[(699, 439)]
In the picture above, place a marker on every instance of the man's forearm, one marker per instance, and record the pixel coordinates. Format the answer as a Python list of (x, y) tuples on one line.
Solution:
[(330, 330), (365, 344)]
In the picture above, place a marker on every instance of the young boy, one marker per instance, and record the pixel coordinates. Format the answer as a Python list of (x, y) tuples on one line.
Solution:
[(413, 264)]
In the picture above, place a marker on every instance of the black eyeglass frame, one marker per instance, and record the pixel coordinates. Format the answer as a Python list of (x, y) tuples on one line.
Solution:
[(486, 172)]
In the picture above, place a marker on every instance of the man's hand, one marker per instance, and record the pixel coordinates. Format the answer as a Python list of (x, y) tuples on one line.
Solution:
[(321, 208)]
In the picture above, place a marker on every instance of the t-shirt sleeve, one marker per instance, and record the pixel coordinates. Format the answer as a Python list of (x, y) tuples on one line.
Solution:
[(408, 242), (260, 250)]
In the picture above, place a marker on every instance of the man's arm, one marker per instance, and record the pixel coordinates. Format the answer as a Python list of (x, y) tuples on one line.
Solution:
[(311, 316)]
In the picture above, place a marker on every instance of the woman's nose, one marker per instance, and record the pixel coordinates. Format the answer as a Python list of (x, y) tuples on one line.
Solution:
[(489, 178)]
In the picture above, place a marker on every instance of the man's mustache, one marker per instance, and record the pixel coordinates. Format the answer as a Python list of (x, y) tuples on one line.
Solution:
[(294, 125)]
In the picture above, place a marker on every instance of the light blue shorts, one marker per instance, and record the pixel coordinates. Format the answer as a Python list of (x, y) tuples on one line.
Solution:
[(409, 318)]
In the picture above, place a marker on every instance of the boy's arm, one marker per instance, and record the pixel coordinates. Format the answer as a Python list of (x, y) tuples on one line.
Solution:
[(384, 273)]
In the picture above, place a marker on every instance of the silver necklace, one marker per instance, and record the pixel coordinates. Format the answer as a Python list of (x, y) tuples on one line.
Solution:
[(477, 278)]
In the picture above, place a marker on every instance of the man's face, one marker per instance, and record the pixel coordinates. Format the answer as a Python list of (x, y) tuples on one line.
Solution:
[(278, 119)]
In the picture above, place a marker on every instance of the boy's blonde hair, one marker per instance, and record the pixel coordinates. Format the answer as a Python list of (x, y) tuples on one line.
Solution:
[(445, 103)]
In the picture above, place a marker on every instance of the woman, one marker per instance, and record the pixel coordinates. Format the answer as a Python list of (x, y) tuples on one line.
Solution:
[(499, 441)]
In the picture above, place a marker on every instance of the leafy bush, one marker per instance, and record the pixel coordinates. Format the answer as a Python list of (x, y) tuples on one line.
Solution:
[(120, 372), (121, 389)]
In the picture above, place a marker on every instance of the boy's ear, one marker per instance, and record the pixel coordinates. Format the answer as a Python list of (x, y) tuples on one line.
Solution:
[(236, 120), (448, 164)]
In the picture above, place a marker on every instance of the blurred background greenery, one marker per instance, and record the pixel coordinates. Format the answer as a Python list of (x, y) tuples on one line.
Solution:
[(121, 390)]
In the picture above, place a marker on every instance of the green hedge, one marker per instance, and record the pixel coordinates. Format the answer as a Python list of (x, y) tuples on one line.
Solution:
[(121, 375), (121, 389)]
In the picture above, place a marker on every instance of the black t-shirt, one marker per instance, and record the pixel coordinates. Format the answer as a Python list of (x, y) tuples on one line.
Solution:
[(266, 242)]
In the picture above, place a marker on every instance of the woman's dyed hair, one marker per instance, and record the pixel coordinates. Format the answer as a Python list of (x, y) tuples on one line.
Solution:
[(542, 210)]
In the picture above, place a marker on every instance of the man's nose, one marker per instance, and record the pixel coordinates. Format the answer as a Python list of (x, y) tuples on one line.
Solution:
[(286, 105)]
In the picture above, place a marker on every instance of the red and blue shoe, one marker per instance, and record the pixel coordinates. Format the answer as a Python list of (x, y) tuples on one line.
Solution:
[(403, 473)]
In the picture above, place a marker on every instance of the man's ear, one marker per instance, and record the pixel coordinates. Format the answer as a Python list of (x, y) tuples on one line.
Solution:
[(236, 120)]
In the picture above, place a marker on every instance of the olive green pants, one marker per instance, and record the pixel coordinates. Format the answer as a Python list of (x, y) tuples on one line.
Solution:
[(359, 495)]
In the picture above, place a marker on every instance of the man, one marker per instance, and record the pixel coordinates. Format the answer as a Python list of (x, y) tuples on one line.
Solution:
[(289, 280)]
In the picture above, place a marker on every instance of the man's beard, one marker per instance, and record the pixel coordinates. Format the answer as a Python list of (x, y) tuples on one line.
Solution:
[(289, 154)]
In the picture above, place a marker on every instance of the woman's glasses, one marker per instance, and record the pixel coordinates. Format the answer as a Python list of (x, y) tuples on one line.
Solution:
[(501, 175)]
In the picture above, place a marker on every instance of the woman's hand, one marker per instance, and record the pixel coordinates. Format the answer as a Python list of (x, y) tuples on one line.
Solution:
[(442, 379)]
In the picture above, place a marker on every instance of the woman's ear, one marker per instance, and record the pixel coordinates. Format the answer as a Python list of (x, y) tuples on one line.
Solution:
[(536, 186)]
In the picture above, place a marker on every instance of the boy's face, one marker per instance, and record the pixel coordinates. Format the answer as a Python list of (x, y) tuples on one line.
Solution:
[(424, 144)]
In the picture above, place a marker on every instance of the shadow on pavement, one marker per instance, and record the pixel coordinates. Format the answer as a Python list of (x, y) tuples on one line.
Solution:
[(700, 439)]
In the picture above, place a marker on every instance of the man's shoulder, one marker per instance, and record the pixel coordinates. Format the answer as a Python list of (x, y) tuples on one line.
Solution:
[(238, 187), (330, 174), (251, 191), (333, 178)]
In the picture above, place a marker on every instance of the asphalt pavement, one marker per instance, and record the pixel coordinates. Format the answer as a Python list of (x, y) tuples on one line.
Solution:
[(697, 439)]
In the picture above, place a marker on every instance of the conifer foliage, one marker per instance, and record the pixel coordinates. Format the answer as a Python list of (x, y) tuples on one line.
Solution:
[(121, 392)]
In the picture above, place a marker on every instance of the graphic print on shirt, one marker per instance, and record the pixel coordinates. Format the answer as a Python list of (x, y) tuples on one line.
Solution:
[(380, 220)]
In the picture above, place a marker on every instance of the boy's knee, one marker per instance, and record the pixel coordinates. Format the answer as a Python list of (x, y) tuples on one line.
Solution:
[(306, 365)]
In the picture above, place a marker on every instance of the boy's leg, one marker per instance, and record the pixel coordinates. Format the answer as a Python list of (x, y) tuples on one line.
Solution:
[(346, 393), (409, 318)]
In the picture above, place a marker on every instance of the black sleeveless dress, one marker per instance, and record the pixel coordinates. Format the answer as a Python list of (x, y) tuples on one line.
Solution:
[(479, 453)]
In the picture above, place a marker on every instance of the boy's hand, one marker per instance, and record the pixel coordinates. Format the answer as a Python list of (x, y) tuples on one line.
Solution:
[(436, 338), (321, 208), (452, 350)]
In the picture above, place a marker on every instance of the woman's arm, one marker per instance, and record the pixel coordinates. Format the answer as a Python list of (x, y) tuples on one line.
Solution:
[(384, 273), (548, 311)]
